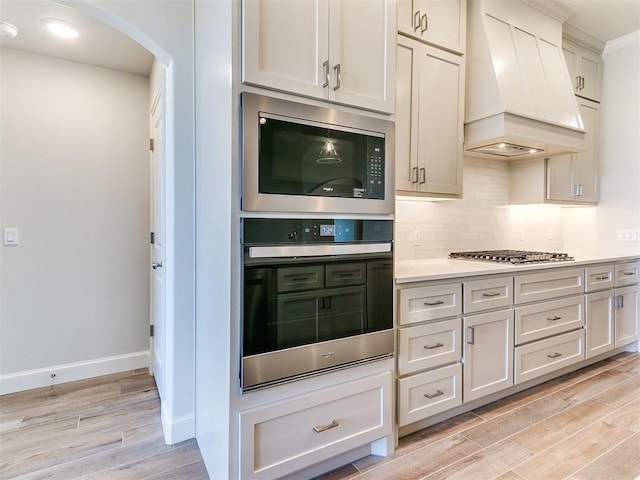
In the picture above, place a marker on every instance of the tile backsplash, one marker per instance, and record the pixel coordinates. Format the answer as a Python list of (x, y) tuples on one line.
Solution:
[(481, 220)]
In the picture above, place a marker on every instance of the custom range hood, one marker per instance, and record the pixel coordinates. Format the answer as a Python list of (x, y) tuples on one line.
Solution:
[(519, 98)]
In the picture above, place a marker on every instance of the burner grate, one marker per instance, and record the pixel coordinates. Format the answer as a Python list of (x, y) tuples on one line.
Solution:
[(515, 257)]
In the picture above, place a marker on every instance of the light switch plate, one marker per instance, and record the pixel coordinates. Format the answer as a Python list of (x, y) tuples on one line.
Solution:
[(11, 237)]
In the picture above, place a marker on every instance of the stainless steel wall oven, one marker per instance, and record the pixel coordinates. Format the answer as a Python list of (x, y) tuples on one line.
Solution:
[(318, 294)]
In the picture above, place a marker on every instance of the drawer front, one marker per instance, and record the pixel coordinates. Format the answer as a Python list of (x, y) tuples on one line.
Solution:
[(544, 286), (420, 304), (425, 394), (487, 294), (541, 320), (430, 345), (546, 356), (627, 273), (346, 274), (291, 279), (599, 278), (290, 435)]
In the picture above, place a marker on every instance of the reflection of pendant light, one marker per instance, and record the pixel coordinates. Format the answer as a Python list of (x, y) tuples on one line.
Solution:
[(328, 154)]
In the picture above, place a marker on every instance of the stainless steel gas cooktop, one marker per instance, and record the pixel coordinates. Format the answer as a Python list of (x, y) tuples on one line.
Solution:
[(512, 256)]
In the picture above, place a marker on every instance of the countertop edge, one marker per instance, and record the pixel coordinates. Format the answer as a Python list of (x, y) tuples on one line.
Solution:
[(409, 271)]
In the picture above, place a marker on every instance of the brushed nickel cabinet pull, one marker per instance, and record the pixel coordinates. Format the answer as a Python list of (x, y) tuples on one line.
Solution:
[(337, 70), (473, 336), (555, 355), (553, 319), (414, 175), (433, 304), (423, 175), (424, 24), (437, 345), (434, 395), (416, 21), (323, 428), (325, 65), (603, 278), (628, 274), (492, 294)]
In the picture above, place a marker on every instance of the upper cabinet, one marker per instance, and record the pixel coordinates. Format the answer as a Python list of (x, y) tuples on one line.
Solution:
[(439, 22), (429, 120), (585, 69), (342, 51)]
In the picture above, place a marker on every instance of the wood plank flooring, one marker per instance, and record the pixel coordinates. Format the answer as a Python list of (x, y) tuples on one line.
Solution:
[(102, 428), (584, 425)]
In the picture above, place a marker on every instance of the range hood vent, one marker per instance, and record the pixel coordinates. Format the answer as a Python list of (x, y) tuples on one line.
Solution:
[(519, 98)]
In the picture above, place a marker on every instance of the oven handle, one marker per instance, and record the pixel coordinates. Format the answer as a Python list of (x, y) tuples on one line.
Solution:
[(278, 251)]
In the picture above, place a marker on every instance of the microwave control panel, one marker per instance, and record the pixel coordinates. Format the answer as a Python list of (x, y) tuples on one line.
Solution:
[(375, 169)]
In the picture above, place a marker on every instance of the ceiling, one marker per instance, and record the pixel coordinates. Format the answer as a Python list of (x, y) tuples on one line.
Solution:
[(104, 46)]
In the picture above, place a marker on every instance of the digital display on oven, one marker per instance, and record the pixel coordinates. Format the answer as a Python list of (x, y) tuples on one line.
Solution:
[(327, 230)]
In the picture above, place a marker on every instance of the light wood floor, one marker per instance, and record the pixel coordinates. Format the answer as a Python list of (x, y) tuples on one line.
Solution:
[(102, 428), (585, 425)]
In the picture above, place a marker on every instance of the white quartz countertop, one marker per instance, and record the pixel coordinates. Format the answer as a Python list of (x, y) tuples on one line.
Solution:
[(443, 268)]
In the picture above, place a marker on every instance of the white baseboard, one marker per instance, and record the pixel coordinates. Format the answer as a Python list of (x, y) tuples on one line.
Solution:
[(177, 430), (70, 372)]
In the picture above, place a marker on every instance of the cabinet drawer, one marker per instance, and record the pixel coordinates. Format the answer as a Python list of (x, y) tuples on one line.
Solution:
[(420, 304), (544, 286), (540, 320), (290, 435), (487, 294), (598, 278), (291, 279), (430, 345), (346, 274), (627, 273), (425, 394), (546, 356)]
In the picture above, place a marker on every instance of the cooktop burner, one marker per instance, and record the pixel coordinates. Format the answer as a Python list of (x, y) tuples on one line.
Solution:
[(512, 256)]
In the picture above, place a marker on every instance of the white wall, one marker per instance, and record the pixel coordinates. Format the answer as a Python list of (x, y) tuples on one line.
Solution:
[(481, 220), (75, 181), (619, 207)]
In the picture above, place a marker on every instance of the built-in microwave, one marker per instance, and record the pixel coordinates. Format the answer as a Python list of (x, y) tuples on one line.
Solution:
[(303, 158)]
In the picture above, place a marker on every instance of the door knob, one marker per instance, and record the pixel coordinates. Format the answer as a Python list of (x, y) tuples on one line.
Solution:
[(156, 265)]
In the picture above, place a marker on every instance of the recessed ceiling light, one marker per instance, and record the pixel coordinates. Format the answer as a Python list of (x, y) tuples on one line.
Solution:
[(7, 29), (61, 28)]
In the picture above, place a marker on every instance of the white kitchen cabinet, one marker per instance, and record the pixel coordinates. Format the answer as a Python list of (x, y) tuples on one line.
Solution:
[(554, 283), (574, 178), (429, 120), (487, 294), (545, 319), (599, 323), (337, 50), (564, 179), (612, 315), (585, 69), (440, 22), (488, 353), (545, 356), (429, 302), (286, 436), (429, 345)]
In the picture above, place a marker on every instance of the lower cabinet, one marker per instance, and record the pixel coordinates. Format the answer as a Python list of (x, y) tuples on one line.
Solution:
[(487, 353), (545, 356), (286, 436), (428, 393), (626, 304)]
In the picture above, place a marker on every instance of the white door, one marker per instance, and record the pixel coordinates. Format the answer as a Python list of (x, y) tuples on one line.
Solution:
[(157, 340)]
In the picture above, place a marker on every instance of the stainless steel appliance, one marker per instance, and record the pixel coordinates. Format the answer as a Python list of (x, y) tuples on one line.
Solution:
[(318, 294), (302, 158), (515, 257)]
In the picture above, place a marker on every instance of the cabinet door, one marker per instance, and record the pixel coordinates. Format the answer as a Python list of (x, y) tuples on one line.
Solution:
[(362, 51), (440, 106), (285, 44), (584, 69), (440, 22), (626, 317), (599, 321), (408, 80), (586, 163), (560, 178), (488, 354)]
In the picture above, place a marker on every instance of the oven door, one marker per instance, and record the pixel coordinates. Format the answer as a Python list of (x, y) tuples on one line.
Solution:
[(303, 314)]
